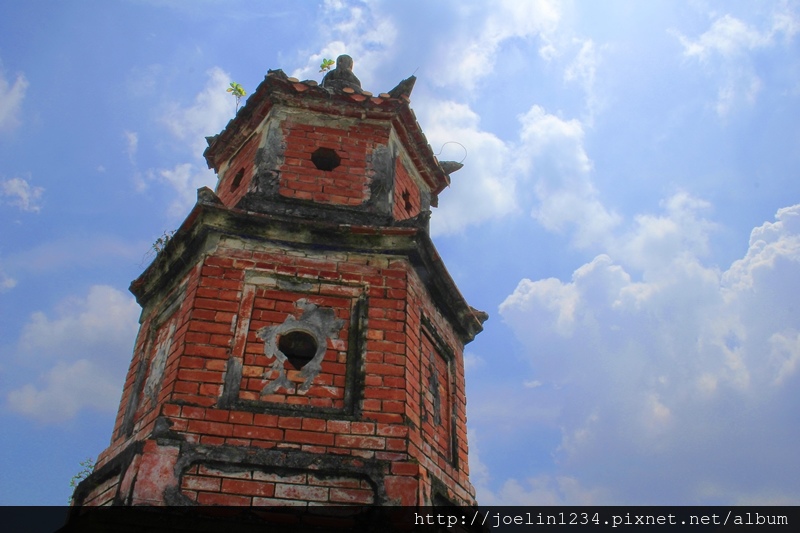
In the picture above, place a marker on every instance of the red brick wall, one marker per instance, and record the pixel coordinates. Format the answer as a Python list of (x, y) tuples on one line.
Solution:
[(146, 348), (272, 306), (406, 193), (232, 186), (347, 184), (431, 444), (210, 341), (211, 486), (238, 290)]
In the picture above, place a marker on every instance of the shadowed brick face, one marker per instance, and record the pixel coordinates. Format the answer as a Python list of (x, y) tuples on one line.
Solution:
[(236, 180), (406, 194), (300, 342)]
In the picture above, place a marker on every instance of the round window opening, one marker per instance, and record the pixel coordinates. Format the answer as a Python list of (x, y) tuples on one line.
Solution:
[(299, 348)]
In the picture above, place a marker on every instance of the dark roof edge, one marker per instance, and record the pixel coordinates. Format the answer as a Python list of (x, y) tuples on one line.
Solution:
[(209, 220)]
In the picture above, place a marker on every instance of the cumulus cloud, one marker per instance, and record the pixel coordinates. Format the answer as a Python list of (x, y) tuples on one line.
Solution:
[(561, 170), (11, 97), (105, 316), (20, 193), (185, 178), (546, 170), (472, 56), (86, 342), (486, 184), (358, 29), (66, 390), (653, 377), (725, 49), (212, 108), (583, 71), (544, 489), (656, 241)]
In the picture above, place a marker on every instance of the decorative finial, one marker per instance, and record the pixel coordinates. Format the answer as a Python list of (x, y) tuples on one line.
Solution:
[(450, 166), (342, 76)]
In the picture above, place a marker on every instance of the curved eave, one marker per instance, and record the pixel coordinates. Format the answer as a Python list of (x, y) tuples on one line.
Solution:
[(208, 221)]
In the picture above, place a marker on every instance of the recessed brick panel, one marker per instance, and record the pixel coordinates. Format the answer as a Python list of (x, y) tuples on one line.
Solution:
[(273, 307), (348, 183)]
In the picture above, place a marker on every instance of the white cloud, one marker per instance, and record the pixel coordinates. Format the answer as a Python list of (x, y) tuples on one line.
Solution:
[(485, 187), (87, 345), (66, 390), (11, 97), (546, 170), (131, 148), (544, 489), (728, 37), (726, 49), (655, 241), (583, 71), (471, 55), (185, 178), (659, 375), (106, 317), (21, 194), (358, 29), (554, 155), (143, 81), (472, 361), (213, 107)]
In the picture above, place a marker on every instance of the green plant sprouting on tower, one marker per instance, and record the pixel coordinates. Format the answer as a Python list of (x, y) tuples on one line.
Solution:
[(238, 92), (86, 470), (162, 241), (326, 65)]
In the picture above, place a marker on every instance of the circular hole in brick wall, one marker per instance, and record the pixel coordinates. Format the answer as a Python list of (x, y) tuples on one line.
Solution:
[(325, 159), (299, 348)]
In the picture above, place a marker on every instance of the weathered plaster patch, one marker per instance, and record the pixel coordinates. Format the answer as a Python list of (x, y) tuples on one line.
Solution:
[(153, 383), (319, 322)]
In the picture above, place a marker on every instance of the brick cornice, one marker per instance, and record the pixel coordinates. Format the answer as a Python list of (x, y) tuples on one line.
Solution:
[(208, 221)]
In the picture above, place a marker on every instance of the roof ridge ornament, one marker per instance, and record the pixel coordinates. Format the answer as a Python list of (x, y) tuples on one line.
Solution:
[(403, 88), (342, 76)]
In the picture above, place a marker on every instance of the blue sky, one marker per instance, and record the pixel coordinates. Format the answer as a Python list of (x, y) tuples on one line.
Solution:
[(628, 214)]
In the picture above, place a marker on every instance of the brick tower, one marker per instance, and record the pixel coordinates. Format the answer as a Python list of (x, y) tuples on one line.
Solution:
[(301, 340)]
